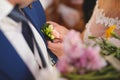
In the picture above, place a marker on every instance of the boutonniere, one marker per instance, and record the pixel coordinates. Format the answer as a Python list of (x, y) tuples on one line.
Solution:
[(49, 31)]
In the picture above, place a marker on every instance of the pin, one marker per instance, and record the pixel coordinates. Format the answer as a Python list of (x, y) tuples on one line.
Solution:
[(30, 6)]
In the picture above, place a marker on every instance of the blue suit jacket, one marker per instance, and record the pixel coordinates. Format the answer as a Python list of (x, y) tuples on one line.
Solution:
[(37, 17), (11, 65)]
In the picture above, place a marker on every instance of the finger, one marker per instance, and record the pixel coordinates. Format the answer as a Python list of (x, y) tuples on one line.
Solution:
[(56, 34), (53, 23), (56, 48), (54, 45), (57, 40)]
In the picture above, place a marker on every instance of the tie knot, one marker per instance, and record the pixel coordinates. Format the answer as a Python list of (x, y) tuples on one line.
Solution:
[(16, 15)]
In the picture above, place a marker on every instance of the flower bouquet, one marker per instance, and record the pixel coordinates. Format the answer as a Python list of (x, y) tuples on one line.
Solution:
[(98, 61)]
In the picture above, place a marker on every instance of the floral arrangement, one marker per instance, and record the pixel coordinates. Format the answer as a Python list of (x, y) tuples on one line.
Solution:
[(98, 61), (49, 31)]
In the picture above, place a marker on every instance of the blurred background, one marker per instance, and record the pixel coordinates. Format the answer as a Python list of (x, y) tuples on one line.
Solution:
[(73, 14)]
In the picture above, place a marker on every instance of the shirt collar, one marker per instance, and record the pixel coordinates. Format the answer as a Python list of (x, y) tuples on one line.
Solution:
[(5, 8)]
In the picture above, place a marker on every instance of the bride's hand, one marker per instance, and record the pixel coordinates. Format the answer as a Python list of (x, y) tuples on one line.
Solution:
[(59, 31), (57, 45)]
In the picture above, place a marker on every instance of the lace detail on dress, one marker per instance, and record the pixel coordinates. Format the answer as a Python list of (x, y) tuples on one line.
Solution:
[(104, 20), (101, 19)]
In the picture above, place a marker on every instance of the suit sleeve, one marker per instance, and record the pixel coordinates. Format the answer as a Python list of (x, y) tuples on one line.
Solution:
[(3, 76)]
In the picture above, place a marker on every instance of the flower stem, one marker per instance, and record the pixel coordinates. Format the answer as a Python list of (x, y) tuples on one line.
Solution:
[(95, 77)]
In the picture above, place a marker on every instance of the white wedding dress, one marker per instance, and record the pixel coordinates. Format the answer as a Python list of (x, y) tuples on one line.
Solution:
[(98, 23)]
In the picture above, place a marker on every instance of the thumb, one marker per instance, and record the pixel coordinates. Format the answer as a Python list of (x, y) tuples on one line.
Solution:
[(52, 23)]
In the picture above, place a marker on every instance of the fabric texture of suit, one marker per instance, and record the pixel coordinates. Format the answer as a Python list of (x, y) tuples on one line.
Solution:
[(37, 17), (11, 62), (12, 66)]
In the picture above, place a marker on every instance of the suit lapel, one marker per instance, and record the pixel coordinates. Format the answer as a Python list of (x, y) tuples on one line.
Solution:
[(39, 40), (41, 44), (36, 16), (10, 62)]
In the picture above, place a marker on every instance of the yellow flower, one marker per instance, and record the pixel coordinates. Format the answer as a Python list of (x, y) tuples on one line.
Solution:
[(109, 31)]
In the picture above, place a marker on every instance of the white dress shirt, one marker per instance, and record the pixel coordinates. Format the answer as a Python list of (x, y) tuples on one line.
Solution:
[(5, 8), (13, 32), (46, 3)]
